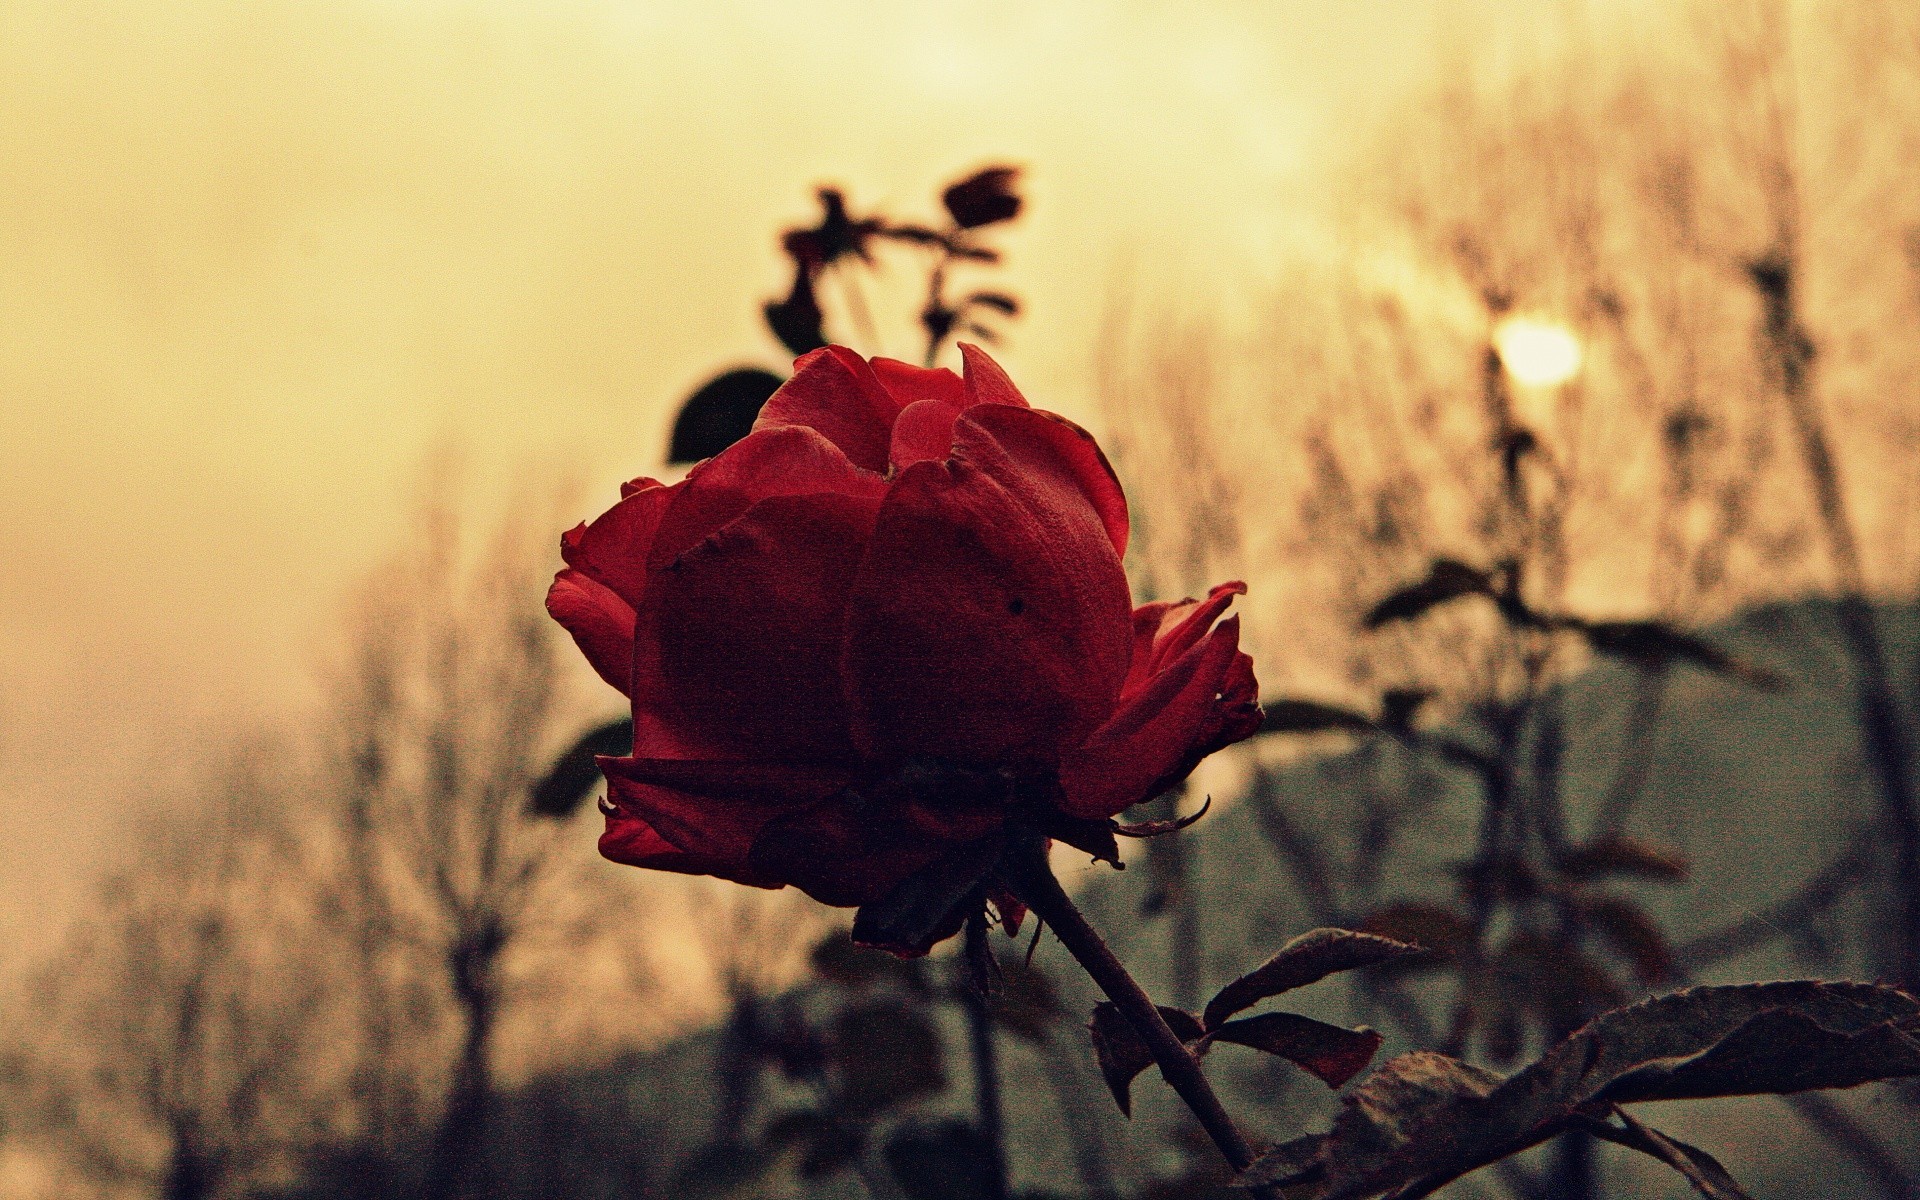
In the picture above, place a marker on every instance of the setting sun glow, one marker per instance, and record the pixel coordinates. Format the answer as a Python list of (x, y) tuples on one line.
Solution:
[(1537, 353)]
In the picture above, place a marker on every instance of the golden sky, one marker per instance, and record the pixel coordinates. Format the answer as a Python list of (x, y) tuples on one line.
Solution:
[(259, 257)]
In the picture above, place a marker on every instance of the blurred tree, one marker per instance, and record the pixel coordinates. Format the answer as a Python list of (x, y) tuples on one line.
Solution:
[(185, 1043), (1698, 213), (447, 712)]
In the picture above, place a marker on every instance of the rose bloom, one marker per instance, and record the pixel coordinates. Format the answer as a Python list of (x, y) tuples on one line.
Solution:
[(887, 627)]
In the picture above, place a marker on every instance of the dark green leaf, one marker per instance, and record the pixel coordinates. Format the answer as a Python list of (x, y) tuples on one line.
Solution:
[(1652, 645), (1631, 934), (1440, 932), (986, 197), (796, 320), (1399, 707), (998, 301), (575, 773), (1446, 580), (1122, 1054), (1331, 1054), (1311, 957), (720, 1172), (837, 959), (719, 414), (948, 1161), (1310, 716), (825, 1146), (1699, 1168), (1026, 1004), (1376, 1120), (881, 1055)]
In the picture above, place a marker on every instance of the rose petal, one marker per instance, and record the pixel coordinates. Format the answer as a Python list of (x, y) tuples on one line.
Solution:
[(1205, 699), (834, 391), (630, 840), (773, 782), (924, 431), (784, 461), (990, 622), (986, 382), (715, 826), (1183, 624), (843, 851), (908, 384), (613, 549), (1068, 451), (601, 624), (738, 645)]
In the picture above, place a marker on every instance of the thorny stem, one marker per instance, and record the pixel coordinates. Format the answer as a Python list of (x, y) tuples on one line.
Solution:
[(986, 1066), (1026, 869)]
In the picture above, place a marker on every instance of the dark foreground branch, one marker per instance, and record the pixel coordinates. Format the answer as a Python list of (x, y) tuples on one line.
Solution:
[(1029, 874)]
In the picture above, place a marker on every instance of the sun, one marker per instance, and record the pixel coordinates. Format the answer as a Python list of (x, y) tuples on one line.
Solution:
[(1537, 353)]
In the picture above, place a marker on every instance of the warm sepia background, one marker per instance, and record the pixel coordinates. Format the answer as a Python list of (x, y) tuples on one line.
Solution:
[(258, 260), (291, 289)]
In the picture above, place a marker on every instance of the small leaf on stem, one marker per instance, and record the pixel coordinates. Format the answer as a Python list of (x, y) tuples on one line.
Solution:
[(930, 904), (1309, 958), (1329, 1053), (1441, 933), (1121, 1052), (984, 198)]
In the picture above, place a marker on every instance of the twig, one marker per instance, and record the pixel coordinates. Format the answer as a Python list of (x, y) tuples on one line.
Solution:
[(1821, 892), (1296, 847), (857, 307), (1888, 749), (1699, 1168), (1636, 756)]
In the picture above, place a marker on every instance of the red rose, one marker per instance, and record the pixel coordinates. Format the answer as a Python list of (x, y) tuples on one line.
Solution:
[(889, 622)]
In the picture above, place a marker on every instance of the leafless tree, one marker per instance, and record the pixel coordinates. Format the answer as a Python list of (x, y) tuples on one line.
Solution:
[(184, 1045), (1667, 205), (445, 887)]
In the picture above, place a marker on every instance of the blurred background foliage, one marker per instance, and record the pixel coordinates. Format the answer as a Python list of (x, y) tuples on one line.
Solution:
[(1573, 473)]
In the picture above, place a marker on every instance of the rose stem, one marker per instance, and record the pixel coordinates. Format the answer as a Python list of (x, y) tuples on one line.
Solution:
[(986, 1067), (1026, 868)]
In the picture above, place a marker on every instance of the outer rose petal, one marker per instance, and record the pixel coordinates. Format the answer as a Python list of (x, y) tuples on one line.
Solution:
[(784, 461), (840, 853), (601, 624), (738, 644), (858, 845), (613, 549), (712, 824), (629, 839), (990, 621), (1181, 626), (1068, 450), (1196, 704), (834, 391), (986, 382), (908, 384)]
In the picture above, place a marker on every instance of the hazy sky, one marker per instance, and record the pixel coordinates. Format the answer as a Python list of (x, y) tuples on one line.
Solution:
[(258, 257)]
